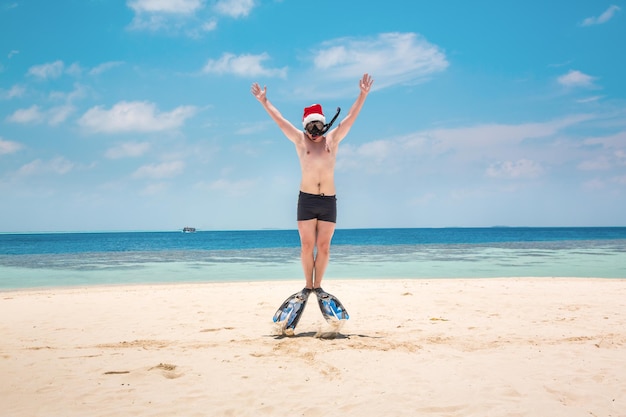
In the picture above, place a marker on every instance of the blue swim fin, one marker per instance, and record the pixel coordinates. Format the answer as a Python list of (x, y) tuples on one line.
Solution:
[(290, 311), (331, 307)]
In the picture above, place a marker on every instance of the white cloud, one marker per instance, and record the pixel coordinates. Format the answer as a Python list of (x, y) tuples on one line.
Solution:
[(12, 53), (158, 171), (612, 152), (591, 99), (59, 114), (463, 147), (48, 70), (14, 92), (54, 115), (165, 6), (209, 26), (576, 78), (152, 22), (128, 150), (34, 114), (490, 136), (174, 16), (599, 164), (57, 68), (30, 115), (189, 17), (243, 65), (392, 57), (77, 93), (372, 156), (104, 67), (57, 165), (8, 147), (614, 141), (522, 168), (74, 70), (234, 8), (603, 18), (134, 116)]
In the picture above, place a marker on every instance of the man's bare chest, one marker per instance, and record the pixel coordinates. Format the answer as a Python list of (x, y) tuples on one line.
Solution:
[(317, 154)]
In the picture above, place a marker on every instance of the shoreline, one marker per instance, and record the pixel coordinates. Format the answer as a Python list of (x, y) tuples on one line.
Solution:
[(440, 347), (297, 283)]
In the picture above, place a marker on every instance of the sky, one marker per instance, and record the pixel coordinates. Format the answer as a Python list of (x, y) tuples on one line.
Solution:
[(137, 114)]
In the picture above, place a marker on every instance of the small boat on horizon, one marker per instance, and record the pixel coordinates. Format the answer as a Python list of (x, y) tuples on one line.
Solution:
[(188, 229)]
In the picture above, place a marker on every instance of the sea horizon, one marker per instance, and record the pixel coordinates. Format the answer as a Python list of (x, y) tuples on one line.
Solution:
[(180, 229)]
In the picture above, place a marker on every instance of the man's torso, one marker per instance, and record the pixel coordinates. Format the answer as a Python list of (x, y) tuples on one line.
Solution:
[(318, 167)]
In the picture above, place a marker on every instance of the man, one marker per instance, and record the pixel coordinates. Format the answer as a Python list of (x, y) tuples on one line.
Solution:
[(317, 154), (317, 204)]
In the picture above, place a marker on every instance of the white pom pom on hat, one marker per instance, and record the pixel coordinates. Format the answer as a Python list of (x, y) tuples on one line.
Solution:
[(313, 113)]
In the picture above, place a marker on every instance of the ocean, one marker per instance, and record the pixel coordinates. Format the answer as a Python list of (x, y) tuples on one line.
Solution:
[(32, 260)]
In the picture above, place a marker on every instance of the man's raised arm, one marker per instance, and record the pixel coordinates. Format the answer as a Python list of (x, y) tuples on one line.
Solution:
[(292, 133), (343, 128)]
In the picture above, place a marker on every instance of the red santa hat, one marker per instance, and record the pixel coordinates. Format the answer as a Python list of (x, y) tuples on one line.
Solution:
[(313, 114)]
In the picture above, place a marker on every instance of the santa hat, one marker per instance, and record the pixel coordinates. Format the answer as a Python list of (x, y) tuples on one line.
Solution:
[(313, 114)]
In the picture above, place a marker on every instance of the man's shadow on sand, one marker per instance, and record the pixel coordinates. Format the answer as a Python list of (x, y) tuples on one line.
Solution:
[(323, 336)]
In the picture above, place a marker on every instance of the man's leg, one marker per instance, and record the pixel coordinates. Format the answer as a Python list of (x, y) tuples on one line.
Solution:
[(308, 231), (325, 231)]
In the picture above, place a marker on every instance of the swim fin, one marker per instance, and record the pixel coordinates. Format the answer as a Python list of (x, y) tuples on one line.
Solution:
[(290, 311), (331, 307)]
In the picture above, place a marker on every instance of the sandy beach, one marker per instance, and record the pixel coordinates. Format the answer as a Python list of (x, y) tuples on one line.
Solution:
[(447, 347)]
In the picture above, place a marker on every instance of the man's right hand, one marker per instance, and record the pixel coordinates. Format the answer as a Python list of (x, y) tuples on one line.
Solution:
[(259, 93)]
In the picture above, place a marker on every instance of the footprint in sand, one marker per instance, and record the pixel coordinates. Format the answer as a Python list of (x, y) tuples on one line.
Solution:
[(167, 370)]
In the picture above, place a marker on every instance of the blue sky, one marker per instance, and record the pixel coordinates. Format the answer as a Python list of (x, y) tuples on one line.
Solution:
[(137, 114)]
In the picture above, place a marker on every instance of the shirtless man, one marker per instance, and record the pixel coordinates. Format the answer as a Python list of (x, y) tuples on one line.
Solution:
[(317, 204)]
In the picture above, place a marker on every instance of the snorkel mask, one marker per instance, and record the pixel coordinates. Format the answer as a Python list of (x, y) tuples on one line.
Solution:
[(317, 128)]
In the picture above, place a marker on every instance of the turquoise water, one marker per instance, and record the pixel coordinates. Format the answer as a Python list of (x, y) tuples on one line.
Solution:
[(79, 259)]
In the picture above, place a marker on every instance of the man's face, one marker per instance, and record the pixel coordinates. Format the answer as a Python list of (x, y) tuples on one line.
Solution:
[(314, 129)]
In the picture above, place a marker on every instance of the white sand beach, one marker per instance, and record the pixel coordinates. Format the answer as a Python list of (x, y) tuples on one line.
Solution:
[(445, 347)]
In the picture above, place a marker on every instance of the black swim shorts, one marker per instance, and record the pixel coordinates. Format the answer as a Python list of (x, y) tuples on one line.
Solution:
[(317, 206)]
